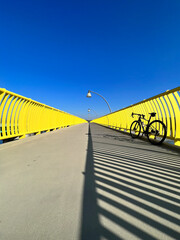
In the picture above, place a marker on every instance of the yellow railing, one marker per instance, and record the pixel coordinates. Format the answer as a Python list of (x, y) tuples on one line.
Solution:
[(20, 116), (166, 105)]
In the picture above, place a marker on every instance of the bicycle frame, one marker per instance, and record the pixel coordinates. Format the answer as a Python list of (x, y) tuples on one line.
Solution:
[(154, 130), (142, 116)]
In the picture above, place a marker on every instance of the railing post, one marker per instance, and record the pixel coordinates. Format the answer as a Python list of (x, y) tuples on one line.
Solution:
[(37, 133), (177, 142), (22, 136)]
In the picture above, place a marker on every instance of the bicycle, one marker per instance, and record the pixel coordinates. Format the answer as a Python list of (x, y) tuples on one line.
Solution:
[(155, 131)]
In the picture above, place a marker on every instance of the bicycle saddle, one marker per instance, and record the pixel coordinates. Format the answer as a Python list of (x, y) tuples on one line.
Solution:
[(153, 114)]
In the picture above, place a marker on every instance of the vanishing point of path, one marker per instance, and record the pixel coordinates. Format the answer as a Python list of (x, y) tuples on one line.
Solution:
[(88, 182)]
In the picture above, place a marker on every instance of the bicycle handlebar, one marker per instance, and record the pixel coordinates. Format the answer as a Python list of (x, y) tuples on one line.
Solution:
[(153, 114), (141, 115)]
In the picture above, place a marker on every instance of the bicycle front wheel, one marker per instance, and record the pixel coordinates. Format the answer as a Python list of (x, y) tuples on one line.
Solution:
[(156, 132), (135, 129)]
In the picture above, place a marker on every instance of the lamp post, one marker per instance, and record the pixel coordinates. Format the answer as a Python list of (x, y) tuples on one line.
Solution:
[(93, 111), (89, 95)]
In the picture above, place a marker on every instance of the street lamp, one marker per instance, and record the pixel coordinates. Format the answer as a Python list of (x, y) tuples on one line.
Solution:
[(89, 95), (93, 111)]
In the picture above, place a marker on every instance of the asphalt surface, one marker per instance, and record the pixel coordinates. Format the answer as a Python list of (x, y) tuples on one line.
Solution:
[(88, 183)]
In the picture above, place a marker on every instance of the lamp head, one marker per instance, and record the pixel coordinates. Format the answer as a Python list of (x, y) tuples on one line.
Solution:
[(88, 110), (89, 94)]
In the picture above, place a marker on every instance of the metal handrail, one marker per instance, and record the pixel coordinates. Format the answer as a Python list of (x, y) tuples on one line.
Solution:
[(20, 116), (166, 105)]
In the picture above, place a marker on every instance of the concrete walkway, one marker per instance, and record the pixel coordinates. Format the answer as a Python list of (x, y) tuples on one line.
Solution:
[(41, 185), (88, 183)]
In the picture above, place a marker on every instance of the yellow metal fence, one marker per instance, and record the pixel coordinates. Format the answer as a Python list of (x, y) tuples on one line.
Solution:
[(166, 105), (20, 116)]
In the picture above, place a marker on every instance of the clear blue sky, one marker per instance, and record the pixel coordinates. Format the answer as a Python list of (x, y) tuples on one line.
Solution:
[(54, 51)]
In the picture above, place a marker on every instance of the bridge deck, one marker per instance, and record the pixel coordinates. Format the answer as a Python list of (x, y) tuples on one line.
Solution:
[(88, 183)]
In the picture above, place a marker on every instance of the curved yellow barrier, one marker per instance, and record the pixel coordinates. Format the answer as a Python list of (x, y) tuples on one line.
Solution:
[(166, 105), (20, 116)]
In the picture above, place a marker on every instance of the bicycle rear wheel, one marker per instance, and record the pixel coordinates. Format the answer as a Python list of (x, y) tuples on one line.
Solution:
[(135, 129), (156, 132)]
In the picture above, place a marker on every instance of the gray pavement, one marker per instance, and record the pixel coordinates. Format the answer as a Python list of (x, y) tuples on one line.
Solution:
[(88, 183), (41, 184)]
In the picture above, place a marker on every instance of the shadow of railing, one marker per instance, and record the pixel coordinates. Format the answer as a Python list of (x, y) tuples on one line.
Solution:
[(129, 193)]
